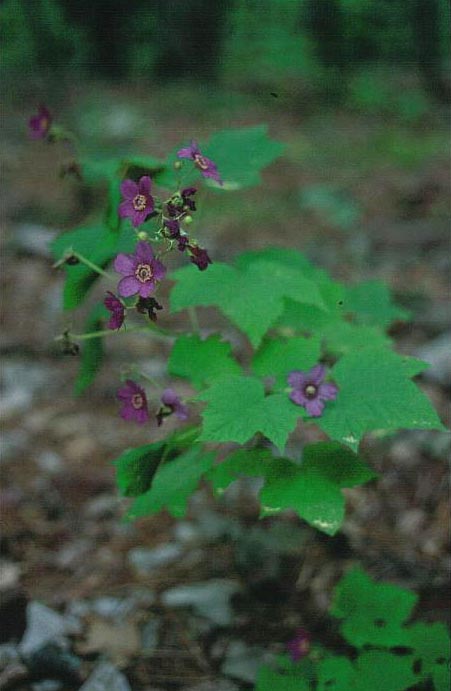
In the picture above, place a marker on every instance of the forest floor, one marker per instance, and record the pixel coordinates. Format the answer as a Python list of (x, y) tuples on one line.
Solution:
[(197, 604)]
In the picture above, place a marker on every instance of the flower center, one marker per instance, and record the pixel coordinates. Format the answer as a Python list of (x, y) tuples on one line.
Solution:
[(137, 401), (201, 161), (139, 202), (144, 273), (310, 390)]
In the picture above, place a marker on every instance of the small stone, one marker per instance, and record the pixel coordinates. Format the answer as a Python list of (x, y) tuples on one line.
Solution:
[(49, 462), (106, 676), (210, 599), (43, 625), (102, 506), (243, 661), (144, 560), (8, 655), (213, 685), (438, 354), (150, 635)]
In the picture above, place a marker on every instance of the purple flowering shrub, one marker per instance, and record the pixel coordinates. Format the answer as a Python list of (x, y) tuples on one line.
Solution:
[(317, 350)]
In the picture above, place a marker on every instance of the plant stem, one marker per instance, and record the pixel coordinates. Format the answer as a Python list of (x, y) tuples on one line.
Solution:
[(89, 263), (193, 319), (109, 332)]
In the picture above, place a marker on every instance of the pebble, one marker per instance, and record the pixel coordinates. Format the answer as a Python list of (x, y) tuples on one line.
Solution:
[(106, 677), (438, 353), (144, 560), (243, 661), (43, 625), (210, 599)]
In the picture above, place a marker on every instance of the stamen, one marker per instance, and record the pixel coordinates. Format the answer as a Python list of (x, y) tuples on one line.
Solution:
[(201, 161), (144, 273), (310, 390), (139, 202), (137, 401)]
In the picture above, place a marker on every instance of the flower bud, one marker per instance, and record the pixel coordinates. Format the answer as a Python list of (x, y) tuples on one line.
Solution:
[(177, 165), (188, 219), (142, 235)]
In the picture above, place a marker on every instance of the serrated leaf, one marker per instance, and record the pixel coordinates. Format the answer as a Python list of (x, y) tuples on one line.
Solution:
[(378, 669), (375, 393), (373, 613), (277, 357), (238, 408), (173, 484), (135, 468), (371, 303), (92, 351), (312, 489), (98, 244), (251, 297), (202, 361)]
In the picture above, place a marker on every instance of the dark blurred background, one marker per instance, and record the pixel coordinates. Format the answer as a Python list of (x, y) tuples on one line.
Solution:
[(358, 91)]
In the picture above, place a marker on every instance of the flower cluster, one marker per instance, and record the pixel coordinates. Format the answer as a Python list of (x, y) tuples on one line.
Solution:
[(135, 407)]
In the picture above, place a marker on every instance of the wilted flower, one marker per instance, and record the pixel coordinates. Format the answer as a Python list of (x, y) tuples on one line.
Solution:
[(117, 309), (171, 404), (138, 202), (141, 271), (181, 203), (39, 125), (199, 257), (310, 391), (207, 168), (149, 305), (134, 402), (299, 646)]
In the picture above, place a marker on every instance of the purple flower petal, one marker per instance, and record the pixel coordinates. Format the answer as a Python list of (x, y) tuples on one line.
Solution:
[(144, 185), (125, 264), (159, 270), (169, 397), (129, 189), (144, 252), (314, 407), (328, 392), (138, 217), (297, 379), (298, 397), (185, 153), (128, 286), (316, 374), (146, 289), (126, 209)]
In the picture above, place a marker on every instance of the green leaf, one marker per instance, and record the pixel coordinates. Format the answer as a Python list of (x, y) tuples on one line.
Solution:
[(92, 351), (173, 484), (237, 409), (95, 169), (252, 297), (373, 613), (277, 357), (312, 489), (378, 669), (98, 244), (431, 644), (135, 468), (335, 673), (201, 361), (241, 154), (270, 679), (370, 302), (375, 393)]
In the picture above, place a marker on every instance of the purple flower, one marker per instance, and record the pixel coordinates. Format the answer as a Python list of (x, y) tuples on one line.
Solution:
[(138, 202), (299, 646), (141, 271), (188, 203), (207, 168), (199, 257), (173, 228), (117, 309), (39, 125), (134, 402), (310, 391), (171, 404)]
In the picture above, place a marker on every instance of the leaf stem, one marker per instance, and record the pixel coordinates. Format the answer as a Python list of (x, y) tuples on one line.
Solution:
[(89, 263), (192, 313)]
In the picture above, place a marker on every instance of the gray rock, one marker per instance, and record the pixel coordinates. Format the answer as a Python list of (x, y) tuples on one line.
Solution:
[(33, 239), (243, 661), (438, 354), (144, 560), (49, 462), (43, 625), (106, 677), (210, 599), (8, 654), (214, 685), (150, 635), (13, 442)]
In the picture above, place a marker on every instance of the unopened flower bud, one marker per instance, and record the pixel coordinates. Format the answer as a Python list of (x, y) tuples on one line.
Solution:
[(188, 219), (177, 165), (142, 235)]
